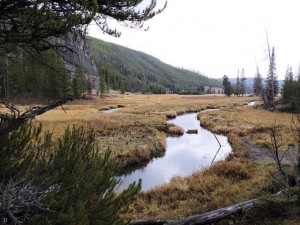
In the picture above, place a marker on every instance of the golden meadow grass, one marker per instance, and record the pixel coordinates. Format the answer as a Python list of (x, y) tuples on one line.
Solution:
[(221, 185), (227, 182), (136, 133), (249, 122)]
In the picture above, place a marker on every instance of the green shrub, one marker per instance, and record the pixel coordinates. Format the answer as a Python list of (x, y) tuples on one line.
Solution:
[(68, 181), (269, 206)]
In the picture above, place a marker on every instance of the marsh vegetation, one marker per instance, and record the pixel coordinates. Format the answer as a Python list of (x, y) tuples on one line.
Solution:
[(137, 133)]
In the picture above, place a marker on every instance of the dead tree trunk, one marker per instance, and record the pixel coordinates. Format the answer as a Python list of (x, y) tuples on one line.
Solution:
[(206, 218)]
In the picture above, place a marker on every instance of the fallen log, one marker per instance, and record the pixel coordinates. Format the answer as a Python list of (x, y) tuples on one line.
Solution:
[(216, 215), (201, 219), (151, 222)]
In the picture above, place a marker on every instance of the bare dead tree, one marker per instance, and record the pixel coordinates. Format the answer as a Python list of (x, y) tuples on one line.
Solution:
[(13, 119), (276, 143), (271, 69), (19, 198), (296, 154), (288, 154)]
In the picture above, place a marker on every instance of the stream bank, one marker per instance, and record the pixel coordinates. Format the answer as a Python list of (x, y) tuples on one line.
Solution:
[(184, 155)]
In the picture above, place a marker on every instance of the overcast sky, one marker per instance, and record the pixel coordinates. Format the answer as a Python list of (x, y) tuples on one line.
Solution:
[(217, 37)]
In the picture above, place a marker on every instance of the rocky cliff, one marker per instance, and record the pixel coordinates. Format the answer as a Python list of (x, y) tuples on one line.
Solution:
[(77, 52)]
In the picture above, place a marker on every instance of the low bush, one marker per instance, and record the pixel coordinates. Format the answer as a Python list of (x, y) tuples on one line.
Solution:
[(269, 206)]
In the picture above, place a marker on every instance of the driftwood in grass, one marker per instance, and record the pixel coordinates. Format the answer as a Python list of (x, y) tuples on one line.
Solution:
[(206, 218)]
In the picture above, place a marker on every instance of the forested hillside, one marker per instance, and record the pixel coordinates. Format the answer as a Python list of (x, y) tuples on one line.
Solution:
[(43, 75), (130, 70)]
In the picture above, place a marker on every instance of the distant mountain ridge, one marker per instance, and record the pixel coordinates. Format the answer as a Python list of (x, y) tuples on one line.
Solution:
[(138, 71)]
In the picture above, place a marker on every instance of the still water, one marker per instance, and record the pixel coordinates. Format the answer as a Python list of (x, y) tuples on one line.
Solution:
[(183, 156), (109, 110)]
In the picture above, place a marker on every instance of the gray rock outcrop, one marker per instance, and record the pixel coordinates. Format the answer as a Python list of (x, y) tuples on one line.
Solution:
[(77, 52)]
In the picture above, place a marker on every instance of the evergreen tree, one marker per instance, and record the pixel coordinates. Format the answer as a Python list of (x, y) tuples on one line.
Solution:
[(243, 83), (271, 86), (122, 87), (79, 82), (227, 86), (57, 80), (237, 90), (289, 87), (102, 85), (59, 182), (46, 78), (257, 85), (89, 86), (17, 74), (32, 23)]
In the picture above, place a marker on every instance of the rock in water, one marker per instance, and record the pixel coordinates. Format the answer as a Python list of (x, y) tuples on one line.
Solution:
[(191, 131)]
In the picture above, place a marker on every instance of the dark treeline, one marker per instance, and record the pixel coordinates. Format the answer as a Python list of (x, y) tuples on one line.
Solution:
[(269, 88), (291, 90), (42, 75)]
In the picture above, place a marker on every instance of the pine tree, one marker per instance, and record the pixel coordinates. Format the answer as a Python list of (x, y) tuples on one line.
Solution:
[(257, 85), (38, 21), (59, 182), (243, 83), (227, 86), (102, 85), (237, 90), (89, 86), (289, 87), (79, 82), (122, 87), (271, 86)]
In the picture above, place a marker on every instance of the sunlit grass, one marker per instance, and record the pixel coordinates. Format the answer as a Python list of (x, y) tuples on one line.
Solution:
[(136, 133), (249, 122), (224, 184)]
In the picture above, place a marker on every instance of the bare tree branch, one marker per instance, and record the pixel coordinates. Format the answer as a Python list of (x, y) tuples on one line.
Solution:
[(14, 120), (18, 198)]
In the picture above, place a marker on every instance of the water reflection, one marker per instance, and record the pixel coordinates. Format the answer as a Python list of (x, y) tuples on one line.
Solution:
[(251, 104), (109, 110), (184, 155)]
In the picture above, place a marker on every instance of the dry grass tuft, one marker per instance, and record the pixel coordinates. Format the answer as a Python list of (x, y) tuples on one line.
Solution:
[(175, 130), (169, 114), (232, 170), (248, 122), (202, 191), (239, 151)]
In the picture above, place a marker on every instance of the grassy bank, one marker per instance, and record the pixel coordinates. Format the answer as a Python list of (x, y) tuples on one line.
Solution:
[(249, 123), (136, 132), (234, 180)]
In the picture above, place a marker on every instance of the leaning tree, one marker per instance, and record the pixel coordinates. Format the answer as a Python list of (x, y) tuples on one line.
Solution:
[(66, 181), (35, 25)]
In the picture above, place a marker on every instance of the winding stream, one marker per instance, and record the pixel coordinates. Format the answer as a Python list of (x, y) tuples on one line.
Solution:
[(183, 156)]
